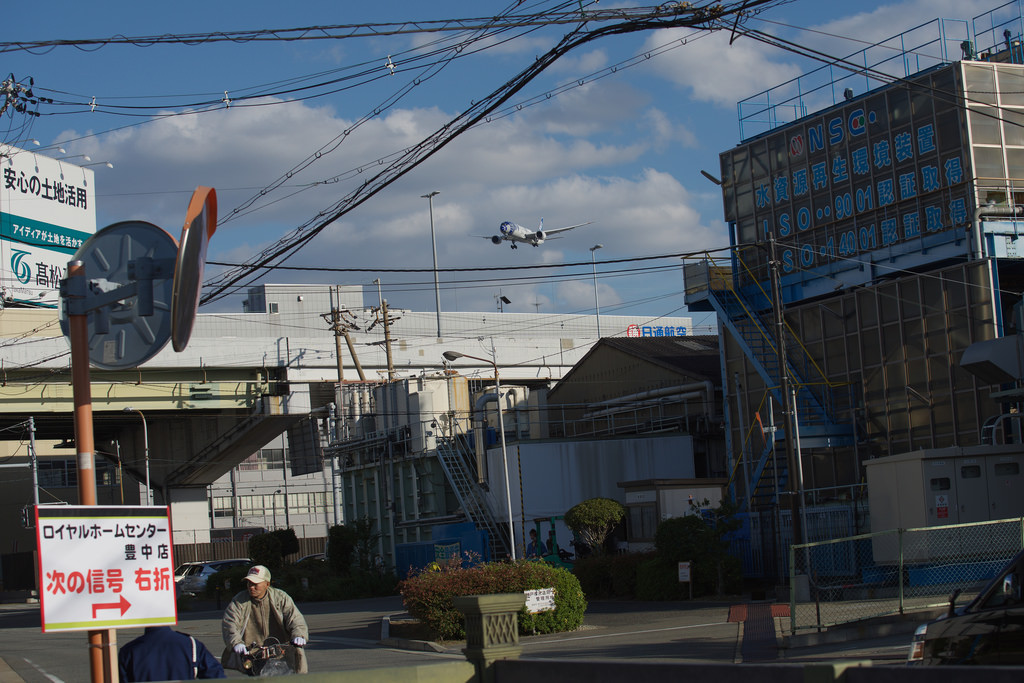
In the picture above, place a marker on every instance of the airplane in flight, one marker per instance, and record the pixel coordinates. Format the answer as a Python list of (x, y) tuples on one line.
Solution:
[(515, 233)]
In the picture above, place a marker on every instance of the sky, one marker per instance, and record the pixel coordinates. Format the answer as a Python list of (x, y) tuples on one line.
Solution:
[(616, 131)]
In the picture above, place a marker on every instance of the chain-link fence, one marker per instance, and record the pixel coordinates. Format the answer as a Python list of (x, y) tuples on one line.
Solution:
[(891, 572)]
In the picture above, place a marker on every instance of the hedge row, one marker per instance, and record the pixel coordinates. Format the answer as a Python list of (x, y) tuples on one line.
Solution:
[(428, 596)]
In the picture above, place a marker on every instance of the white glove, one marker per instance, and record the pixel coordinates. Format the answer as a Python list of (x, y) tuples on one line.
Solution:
[(241, 649), (298, 641)]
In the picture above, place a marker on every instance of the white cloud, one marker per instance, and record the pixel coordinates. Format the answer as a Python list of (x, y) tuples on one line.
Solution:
[(713, 70)]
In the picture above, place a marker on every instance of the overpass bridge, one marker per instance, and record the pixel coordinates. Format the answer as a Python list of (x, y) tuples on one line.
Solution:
[(248, 377)]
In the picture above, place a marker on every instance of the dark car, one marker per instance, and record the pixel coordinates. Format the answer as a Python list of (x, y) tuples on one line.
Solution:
[(988, 630)]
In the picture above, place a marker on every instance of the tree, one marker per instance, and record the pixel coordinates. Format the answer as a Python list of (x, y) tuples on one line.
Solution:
[(593, 520), (265, 549), (366, 541), (341, 546), (702, 539), (289, 541)]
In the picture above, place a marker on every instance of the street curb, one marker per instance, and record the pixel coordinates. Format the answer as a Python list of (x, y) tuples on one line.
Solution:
[(405, 643), (414, 645)]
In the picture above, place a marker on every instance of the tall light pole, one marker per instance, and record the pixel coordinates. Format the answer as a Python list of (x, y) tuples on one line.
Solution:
[(145, 446), (433, 244), (597, 304), (453, 355)]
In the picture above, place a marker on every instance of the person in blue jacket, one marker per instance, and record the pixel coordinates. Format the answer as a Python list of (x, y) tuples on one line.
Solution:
[(162, 654)]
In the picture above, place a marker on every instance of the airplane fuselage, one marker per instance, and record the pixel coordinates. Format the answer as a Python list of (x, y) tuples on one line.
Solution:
[(514, 233)]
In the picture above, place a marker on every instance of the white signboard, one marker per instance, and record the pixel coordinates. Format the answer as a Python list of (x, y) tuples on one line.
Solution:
[(47, 211), (540, 600), (105, 567), (684, 572)]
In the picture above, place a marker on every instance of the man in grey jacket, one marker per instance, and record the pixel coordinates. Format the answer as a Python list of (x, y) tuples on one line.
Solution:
[(261, 612)]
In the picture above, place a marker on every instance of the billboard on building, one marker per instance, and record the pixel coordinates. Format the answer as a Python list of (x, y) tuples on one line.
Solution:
[(884, 174), (47, 211)]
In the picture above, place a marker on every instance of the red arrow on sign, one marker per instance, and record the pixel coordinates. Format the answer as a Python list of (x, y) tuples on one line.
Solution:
[(123, 605)]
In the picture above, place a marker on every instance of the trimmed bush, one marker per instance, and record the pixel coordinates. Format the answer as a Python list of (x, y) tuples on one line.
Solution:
[(428, 595), (593, 521), (610, 576)]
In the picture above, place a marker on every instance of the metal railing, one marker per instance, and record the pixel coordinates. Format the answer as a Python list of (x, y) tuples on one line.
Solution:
[(850, 579)]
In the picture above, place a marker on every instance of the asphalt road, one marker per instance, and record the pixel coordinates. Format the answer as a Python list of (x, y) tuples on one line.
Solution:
[(346, 635)]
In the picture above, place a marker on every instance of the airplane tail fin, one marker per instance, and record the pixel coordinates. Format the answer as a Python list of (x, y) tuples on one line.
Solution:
[(541, 228)]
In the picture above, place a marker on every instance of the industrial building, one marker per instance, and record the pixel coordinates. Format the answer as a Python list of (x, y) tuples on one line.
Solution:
[(869, 308), (232, 433)]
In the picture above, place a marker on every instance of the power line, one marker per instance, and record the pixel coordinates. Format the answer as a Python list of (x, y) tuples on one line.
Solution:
[(363, 30), (707, 17)]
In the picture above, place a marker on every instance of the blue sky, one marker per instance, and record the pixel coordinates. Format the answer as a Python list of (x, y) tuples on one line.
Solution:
[(624, 150)]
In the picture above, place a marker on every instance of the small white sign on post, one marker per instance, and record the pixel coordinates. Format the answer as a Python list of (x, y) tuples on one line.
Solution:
[(684, 576), (540, 600), (105, 567)]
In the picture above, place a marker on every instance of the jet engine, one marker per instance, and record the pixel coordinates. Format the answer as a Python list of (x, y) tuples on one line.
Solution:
[(540, 236), (496, 240)]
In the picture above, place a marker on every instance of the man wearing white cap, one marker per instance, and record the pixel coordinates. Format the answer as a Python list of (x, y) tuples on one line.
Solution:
[(261, 612)]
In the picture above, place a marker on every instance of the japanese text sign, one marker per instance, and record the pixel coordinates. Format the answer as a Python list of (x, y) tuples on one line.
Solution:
[(105, 567), (540, 600)]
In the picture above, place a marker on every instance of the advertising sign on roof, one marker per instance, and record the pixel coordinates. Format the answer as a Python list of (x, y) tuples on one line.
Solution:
[(881, 175), (47, 211), (105, 567)]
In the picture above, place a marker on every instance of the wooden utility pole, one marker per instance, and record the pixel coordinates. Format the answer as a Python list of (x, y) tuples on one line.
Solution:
[(381, 317), (387, 338), (340, 322)]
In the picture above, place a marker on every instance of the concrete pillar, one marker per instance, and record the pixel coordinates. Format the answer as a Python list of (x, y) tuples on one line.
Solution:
[(492, 629)]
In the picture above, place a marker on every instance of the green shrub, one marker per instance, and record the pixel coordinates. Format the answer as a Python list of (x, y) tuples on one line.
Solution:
[(227, 581), (428, 595), (658, 579), (702, 543), (609, 576), (265, 549)]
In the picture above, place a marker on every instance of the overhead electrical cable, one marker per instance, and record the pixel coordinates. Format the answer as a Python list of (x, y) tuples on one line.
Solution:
[(710, 17)]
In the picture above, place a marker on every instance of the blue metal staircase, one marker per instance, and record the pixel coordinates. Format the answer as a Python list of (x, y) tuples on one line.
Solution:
[(455, 458), (748, 316)]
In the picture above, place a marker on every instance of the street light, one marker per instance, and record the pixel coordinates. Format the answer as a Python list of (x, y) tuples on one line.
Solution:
[(433, 244), (145, 446), (597, 305), (453, 355)]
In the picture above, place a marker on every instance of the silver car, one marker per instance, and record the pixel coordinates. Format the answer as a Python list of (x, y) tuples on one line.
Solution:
[(191, 577)]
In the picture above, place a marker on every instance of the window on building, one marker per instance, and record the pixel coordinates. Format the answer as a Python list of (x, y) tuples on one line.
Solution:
[(643, 522), (1006, 469), (970, 472), (223, 507), (55, 474), (264, 459)]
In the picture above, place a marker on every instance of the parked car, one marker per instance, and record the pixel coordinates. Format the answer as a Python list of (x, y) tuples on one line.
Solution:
[(194, 575), (988, 630), (315, 557)]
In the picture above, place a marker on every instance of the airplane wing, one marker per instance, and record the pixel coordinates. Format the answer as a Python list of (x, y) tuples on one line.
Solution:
[(555, 231)]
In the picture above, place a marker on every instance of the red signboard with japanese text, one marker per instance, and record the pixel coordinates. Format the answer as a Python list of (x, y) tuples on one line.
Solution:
[(105, 567)]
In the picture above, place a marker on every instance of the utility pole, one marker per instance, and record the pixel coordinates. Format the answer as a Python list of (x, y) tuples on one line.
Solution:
[(341, 328), (788, 397), (383, 318)]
